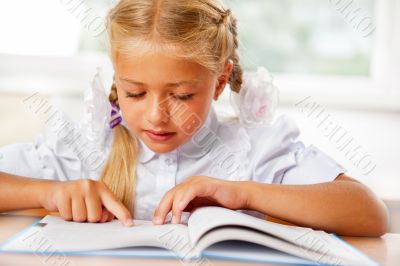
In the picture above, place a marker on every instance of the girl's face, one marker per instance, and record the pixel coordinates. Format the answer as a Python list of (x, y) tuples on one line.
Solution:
[(160, 93)]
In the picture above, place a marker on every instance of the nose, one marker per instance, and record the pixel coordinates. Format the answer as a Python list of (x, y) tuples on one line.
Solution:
[(157, 112)]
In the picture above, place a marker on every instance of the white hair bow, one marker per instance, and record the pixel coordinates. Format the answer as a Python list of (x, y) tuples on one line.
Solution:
[(256, 102)]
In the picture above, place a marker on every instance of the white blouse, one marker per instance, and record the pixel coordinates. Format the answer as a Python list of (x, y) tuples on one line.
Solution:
[(220, 149)]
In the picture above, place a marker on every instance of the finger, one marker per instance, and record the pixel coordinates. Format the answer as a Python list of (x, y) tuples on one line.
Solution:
[(94, 208), (79, 209), (164, 207), (187, 196), (116, 207), (183, 200), (110, 217), (107, 216), (64, 207), (104, 215), (178, 206)]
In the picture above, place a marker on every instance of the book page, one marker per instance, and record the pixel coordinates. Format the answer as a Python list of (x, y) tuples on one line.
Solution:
[(222, 235), (207, 218), (66, 236)]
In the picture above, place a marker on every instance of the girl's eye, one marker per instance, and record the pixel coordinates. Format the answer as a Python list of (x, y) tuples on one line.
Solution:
[(183, 97), (178, 97), (134, 95)]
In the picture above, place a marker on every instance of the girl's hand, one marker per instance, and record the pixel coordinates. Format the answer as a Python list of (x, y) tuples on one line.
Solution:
[(199, 191), (84, 200)]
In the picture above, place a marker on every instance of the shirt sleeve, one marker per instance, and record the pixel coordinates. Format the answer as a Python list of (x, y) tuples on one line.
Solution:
[(53, 156), (40, 159), (279, 157), (21, 159)]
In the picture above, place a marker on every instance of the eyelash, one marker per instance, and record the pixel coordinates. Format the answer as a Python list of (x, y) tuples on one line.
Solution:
[(178, 97), (134, 95)]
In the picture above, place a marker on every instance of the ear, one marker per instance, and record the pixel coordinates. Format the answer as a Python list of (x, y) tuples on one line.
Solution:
[(223, 79)]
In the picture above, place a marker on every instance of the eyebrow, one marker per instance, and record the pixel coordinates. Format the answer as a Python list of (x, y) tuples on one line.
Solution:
[(172, 84)]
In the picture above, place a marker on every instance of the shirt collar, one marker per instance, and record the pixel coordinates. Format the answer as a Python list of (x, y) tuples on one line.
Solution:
[(195, 147), (146, 154)]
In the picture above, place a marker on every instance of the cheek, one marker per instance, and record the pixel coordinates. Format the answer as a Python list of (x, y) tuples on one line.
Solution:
[(190, 121), (130, 114)]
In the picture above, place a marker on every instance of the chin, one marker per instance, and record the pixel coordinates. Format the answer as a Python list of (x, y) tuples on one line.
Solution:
[(161, 148)]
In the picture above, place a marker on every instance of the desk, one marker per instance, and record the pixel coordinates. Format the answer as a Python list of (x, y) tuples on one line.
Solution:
[(385, 250)]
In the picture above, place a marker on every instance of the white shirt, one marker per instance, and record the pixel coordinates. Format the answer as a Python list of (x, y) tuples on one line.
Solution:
[(220, 149)]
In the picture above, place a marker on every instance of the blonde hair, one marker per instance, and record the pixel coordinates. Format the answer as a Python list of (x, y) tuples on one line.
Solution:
[(203, 31)]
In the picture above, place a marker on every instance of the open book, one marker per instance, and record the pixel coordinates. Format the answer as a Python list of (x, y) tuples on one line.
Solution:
[(211, 232)]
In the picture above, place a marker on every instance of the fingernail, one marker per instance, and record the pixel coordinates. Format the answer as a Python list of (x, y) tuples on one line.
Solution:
[(129, 222), (157, 220)]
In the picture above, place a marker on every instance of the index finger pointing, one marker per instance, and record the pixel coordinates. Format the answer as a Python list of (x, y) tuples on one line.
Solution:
[(164, 207), (116, 207)]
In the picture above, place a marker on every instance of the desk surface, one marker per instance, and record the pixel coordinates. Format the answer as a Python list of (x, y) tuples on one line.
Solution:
[(385, 250)]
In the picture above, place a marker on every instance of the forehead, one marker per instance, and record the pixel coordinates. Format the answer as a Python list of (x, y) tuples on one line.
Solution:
[(158, 67)]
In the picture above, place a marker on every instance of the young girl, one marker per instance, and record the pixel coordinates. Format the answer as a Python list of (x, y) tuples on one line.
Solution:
[(166, 150)]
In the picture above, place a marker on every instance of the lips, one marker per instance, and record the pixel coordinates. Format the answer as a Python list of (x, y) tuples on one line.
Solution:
[(159, 136), (161, 133)]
